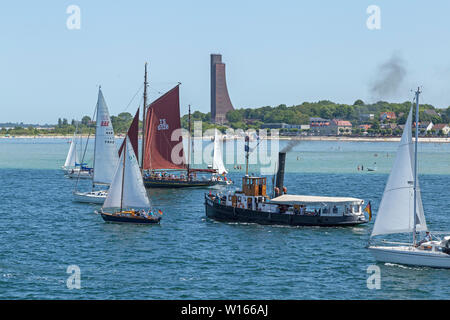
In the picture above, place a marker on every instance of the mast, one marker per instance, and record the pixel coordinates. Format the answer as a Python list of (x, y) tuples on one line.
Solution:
[(124, 154), (415, 164), (95, 144), (144, 111), (247, 150), (189, 144)]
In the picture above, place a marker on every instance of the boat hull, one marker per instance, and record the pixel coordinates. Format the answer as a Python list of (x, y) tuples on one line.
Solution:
[(233, 214), (410, 256), (80, 175), (123, 219), (156, 183), (87, 197)]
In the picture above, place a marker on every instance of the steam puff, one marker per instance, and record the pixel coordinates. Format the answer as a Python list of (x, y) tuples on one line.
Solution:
[(291, 144), (389, 78)]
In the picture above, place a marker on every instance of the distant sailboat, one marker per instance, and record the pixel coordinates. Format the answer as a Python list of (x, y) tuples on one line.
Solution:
[(401, 211), (127, 200), (72, 160), (105, 155), (217, 163), (72, 167)]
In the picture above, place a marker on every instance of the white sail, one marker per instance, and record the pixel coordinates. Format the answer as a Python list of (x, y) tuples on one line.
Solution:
[(217, 157), (395, 214), (133, 194), (72, 156), (105, 155)]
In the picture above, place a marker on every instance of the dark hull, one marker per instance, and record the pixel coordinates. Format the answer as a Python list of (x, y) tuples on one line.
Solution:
[(232, 214), (154, 183), (119, 219)]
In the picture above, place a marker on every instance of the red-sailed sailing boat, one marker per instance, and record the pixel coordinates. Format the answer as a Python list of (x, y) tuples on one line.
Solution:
[(163, 159)]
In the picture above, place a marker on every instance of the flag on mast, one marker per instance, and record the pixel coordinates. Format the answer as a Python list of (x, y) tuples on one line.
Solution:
[(368, 209)]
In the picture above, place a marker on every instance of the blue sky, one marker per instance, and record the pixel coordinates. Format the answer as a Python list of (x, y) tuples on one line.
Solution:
[(275, 51)]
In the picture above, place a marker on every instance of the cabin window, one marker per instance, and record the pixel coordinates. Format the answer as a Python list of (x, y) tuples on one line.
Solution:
[(335, 209)]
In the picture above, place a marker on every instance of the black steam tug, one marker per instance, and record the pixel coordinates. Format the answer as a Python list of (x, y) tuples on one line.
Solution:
[(252, 204)]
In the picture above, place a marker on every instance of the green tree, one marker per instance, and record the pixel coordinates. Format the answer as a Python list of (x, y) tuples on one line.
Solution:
[(85, 120)]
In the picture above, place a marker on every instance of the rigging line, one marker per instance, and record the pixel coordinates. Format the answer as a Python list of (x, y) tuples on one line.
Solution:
[(156, 90), (134, 97)]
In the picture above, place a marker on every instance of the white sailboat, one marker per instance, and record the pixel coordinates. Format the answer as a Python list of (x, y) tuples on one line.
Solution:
[(105, 155), (217, 163), (72, 156), (401, 211), (127, 199), (72, 167)]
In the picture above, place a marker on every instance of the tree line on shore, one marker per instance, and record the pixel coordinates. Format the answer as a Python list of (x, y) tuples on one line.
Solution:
[(253, 118), (358, 113)]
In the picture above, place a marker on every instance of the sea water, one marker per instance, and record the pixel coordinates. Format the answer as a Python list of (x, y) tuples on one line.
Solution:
[(187, 256)]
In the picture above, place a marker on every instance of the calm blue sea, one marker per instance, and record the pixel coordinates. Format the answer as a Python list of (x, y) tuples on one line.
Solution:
[(42, 232)]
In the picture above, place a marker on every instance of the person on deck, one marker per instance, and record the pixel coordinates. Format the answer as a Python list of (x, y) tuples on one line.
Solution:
[(427, 237)]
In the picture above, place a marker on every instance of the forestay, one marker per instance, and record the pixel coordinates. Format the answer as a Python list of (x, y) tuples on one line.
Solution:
[(395, 214), (133, 194)]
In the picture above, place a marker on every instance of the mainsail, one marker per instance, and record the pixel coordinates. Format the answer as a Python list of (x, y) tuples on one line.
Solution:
[(396, 213), (217, 156), (132, 133), (163, 140), (72, 155), (127, 188), (105, 155)]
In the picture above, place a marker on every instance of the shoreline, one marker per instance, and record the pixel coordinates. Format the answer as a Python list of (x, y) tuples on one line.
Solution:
[(302, 138)]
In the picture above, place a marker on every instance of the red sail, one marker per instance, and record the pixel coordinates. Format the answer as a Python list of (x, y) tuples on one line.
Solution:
[(132, 133), (163, 118)]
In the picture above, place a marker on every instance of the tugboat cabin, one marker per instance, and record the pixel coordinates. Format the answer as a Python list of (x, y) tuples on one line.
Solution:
[(252, 196)]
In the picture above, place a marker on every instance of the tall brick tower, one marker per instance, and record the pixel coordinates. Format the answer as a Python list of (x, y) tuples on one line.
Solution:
[(220, 101)]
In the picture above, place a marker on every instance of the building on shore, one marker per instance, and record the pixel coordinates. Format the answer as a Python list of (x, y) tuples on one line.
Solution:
[(366, 117), (386, 116), (424, 126), (441, 126), (318, 125), (285, 126), (220, 100), (338, 127)]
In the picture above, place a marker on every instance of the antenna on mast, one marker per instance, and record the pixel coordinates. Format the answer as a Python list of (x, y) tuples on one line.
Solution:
[(247, 150), (144, 112)]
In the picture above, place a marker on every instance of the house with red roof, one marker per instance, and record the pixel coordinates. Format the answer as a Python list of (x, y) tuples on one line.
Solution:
[(338, 127), (441, 126), (386, 116)]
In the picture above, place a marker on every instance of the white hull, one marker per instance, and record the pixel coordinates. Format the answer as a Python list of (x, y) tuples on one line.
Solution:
[(90, 197), (409, 255), (67, 170), (78, 174)]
